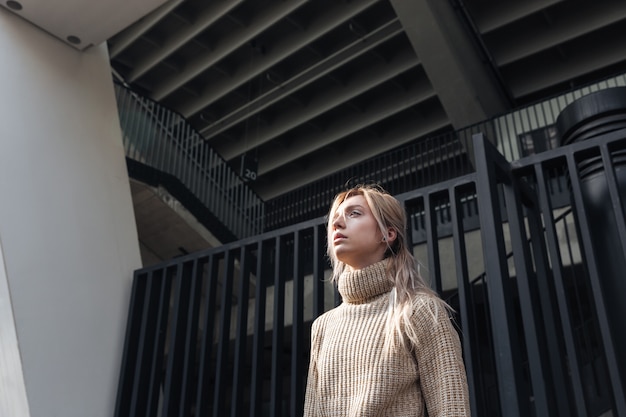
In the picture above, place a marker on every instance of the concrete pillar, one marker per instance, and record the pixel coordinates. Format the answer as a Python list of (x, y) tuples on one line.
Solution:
[(466, 89), (67, 232)]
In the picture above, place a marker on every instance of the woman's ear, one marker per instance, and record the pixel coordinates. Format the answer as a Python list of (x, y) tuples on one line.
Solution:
[(391, 235)]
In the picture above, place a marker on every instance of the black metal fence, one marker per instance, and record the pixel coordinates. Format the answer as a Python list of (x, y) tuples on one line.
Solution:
[(512, 247), (161, 141)]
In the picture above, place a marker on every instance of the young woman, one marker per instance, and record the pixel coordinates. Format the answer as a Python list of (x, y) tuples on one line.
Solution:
[(389, 349)]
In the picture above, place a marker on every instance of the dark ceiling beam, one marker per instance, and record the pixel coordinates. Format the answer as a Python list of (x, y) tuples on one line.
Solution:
[(203, 20), (280, 51), (467, 89), (577, 22), (345, 154), (266, 19), (323, 102), (124, 39), (549, 69), (497, 14), (346, 125), (304, 78)]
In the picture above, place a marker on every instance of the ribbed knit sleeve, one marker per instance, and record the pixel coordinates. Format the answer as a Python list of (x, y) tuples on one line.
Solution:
[(310, 399), (439, 357)]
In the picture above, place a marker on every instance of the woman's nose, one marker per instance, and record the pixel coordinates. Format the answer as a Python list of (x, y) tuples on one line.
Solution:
[(338, 223)]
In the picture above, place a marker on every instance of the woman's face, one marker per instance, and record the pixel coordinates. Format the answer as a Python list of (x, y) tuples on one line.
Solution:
[(356, 238)]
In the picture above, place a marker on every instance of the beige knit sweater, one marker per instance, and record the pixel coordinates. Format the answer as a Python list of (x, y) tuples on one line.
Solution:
[(350, 374)]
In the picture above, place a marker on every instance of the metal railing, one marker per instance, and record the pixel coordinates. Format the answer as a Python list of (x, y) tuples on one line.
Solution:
[(163, 141), (226, 331), (426, 161)]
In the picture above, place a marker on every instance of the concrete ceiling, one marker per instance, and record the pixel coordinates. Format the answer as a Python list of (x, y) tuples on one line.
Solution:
[(81, 23), (306, 88), (309, 87)]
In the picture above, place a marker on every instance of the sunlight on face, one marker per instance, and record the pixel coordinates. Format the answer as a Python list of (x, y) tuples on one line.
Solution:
[(356, 238)]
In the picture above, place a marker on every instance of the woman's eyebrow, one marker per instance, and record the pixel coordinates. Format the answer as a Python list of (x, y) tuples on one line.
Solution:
[(352, 207), (347, 209)]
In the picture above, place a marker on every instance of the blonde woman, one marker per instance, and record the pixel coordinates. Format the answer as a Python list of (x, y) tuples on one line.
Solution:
[(389, 349)]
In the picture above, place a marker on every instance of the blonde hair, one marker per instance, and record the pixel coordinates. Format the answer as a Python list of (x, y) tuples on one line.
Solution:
[(402, 267)]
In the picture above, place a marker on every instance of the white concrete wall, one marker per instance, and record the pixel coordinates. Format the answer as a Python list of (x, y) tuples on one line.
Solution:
[(66, 220)]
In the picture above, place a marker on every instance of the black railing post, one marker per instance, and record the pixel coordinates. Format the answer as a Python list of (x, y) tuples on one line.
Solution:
[(543, 288), (241, 335), (570, 350), (222, 381), (532, 315), (203, 391), (297, 380), (133, 344), (258, 344), (600, 179), (512, 388), (466, 303), (278, 331), (430, 219), (611, 354)]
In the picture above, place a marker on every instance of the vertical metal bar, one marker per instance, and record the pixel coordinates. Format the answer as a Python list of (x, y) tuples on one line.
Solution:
[(153, 384), (123, 113), (223, 191), (238, 218), (561, 295), (619, 398), (244, 223), (170, 141), (128, 122), (143, 138), (319, 235), (146, 338), (241, 336), (614, 192), (223, 346), (159, 160), (466, 303), (188, 161), (184, 157), (134, 127), (297, 381), (256, 388), (533, 328), (203, 395), (191, 337), (432, 243), (199, 170), (176, 146), (277, 333), (546, 294), (507, 357), (132, 351), (207, 183), (176, 351)]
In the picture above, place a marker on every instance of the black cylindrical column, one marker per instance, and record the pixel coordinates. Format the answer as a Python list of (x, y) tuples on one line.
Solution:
[(591, 116)]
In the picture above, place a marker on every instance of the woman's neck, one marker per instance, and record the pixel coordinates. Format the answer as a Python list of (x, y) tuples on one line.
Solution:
[(358, 286)]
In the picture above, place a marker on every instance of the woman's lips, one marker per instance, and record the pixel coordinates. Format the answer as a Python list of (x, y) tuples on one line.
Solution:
[(338, 237)]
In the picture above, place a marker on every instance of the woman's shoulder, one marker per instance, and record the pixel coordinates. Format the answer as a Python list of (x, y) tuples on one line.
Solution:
[(428, 309), (322, 319)]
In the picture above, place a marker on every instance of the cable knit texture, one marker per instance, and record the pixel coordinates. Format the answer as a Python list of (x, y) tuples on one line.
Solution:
[(351, 375)]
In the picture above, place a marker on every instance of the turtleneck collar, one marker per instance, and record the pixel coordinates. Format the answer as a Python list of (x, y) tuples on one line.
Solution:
[(360, 286)]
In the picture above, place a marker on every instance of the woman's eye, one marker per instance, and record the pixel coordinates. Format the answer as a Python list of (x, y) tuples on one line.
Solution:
[(354, 213)]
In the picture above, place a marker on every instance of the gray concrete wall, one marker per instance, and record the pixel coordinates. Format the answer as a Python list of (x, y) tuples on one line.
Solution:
[(66, 221)]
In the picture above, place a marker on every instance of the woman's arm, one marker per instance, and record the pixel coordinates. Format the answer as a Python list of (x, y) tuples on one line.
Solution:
[(439, 357), (310, 398)]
